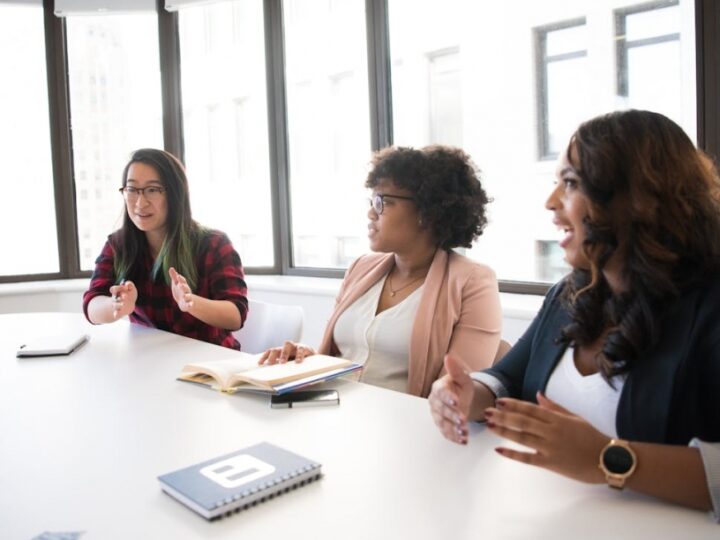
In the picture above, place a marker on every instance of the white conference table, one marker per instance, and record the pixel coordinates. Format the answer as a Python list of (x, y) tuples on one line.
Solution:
[(84, 437)]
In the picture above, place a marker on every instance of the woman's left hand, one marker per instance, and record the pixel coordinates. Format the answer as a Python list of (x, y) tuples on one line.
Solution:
[(562, 441), (181, 291)]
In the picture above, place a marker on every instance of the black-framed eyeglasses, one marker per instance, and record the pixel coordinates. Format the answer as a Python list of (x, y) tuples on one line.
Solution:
[(151, 193), (377, 201)]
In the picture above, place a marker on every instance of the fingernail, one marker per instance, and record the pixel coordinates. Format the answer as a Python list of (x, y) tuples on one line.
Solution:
[(500, 402), (489, 413), (491, 425), (500, 451)]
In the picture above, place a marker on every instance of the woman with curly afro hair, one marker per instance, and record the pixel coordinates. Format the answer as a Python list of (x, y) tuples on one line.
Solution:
[(617, 380), (401, 309)]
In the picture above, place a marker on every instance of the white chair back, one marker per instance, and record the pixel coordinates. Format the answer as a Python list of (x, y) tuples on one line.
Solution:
[(269, 325)]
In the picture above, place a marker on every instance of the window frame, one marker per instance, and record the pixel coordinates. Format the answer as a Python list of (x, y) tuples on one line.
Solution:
[(542, 62), (623, 46), (707, 50)]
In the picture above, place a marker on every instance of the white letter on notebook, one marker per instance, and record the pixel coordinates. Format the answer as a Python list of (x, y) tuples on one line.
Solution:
[(237, 470)]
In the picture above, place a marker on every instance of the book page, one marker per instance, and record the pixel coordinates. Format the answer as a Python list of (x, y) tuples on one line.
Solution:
[(269, 376), (223, 370)]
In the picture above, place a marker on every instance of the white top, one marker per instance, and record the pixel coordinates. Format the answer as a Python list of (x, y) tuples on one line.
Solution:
[(588, 396), (381, 342)]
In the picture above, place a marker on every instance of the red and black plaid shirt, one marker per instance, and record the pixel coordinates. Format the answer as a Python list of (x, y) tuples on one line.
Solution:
[(220, 277)]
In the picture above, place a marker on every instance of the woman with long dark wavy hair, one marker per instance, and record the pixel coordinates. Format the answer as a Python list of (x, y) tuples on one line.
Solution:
[(617, 379), (162, 268)]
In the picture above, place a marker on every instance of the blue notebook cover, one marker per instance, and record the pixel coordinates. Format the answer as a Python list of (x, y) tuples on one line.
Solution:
[(235, 481)]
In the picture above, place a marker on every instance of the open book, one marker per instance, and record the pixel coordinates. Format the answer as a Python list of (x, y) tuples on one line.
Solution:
[(242, 373)]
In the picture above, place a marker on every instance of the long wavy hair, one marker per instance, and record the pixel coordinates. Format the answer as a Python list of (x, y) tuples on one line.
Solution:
[(183, 233), (654, 200)]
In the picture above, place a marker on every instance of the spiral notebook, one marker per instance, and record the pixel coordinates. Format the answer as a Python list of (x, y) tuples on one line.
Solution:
[(235, 481)]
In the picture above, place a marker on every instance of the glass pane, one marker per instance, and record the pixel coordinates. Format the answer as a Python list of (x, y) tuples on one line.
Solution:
[(329, 129), (25, 152), (501, 111), (445, 98), (648, 85), (225, 121), (567, 86), (566, 40), (115, 108), (649, 24)]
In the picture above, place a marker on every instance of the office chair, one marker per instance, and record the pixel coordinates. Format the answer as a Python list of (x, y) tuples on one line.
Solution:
[(269, 325), (503, 348)]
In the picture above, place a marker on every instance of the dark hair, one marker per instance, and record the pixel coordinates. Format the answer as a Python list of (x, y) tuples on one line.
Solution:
[(653, 199), (445, 186), (183, 233)]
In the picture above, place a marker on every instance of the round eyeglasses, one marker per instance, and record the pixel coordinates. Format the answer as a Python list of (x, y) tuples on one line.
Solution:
[(377, 201), (151, 193)]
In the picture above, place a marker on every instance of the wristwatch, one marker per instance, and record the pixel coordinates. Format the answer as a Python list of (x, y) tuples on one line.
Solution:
[(618, 461)]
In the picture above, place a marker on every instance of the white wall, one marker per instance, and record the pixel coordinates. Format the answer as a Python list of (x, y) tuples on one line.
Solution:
[(315, 295)]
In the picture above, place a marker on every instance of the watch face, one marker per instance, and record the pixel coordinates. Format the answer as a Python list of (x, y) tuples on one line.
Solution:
[(617, 460)]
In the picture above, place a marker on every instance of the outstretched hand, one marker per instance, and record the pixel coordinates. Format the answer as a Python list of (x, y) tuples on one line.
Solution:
[(181, 291), (124, 296), (450, 400), (289, 351), (561, 441)]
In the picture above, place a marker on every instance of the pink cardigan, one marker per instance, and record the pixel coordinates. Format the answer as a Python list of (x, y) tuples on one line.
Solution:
[(459, 312)]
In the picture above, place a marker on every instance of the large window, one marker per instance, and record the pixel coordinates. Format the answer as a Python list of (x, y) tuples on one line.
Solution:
[(225, 123), (115, 108), (295, 113), (28, 233), (563, 79), (328, 129), (650, 44), (512, 83)]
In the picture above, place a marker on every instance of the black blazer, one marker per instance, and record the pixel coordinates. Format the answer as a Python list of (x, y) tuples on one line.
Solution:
[(670, 397)]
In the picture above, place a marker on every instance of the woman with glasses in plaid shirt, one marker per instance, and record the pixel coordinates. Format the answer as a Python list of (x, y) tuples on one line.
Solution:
[(161, 268), (402, 308)]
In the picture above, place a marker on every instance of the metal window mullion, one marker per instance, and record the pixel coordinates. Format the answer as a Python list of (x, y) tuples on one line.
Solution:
[(379, 73), (541, 87), (170, 81), (621, 56), (707, 35), (566, 56), (61, 143), (655, 40), (278, 135)]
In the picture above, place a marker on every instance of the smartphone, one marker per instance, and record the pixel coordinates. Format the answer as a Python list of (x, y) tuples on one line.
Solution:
[(305, 398)]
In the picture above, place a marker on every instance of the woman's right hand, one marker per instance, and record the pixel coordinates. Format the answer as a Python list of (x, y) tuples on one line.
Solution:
[(450, 400), (289, 351), (123, 299)]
